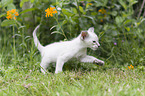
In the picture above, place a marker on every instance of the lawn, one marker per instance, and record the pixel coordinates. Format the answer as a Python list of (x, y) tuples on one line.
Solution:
[(119, 25), (101, 81)]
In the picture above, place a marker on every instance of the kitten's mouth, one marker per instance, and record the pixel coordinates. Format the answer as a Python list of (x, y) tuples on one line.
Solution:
[(94, 47)]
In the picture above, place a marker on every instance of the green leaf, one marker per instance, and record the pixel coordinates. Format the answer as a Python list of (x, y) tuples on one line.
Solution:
[(119, 19), (11, 6), (127, 28), (75, 4), (93, 13), (32, 1), (81, 9), (87, 5), (0, 4), (105, 2), (71, 20), (64, 22), (53, 27), (128, 21), (22, 2), (123, 3), (142, 20), (74, 10), (8, 23), (56, 32), (132, 2), (100, 3), (3, 14), (114, 13), (66, 12), (89, 17), (27, 10), (114, 33), (137, 24), (5, 3)]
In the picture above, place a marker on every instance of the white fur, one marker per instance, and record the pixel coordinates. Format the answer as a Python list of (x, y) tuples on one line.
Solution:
[(61, 52)]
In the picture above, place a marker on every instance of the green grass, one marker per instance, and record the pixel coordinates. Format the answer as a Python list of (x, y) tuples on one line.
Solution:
[(102, 81), (21, 76)]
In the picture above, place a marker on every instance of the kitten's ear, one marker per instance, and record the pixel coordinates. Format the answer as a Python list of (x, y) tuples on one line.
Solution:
[(84, 34), (91, 29)]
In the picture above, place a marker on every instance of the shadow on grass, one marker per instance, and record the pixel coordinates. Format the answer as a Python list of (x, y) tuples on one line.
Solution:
[(76, 66)]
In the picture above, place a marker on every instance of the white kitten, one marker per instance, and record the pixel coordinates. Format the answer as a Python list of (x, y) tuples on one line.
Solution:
[(61, 52)]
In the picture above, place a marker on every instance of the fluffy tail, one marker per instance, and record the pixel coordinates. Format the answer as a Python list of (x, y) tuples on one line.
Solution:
[(36, 41)]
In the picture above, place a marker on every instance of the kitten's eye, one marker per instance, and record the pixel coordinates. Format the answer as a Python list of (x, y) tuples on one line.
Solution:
[(94, 41)]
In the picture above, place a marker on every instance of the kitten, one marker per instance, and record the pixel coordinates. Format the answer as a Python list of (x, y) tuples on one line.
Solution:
[(61, 52)]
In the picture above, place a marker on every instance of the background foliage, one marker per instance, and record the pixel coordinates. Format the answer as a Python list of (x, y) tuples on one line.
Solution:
[(121, 33)]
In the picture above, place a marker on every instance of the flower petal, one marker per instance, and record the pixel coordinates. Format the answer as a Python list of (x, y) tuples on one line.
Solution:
[(16, 14), (13, 11)]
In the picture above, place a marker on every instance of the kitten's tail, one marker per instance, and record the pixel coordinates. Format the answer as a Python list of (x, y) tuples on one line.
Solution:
[(36, 41)]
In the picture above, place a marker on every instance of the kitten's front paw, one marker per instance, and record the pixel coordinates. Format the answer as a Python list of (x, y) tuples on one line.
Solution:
[(100, 63), (56, 72)]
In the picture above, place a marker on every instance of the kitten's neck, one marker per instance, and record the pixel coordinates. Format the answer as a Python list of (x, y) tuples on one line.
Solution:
[(80, 43)]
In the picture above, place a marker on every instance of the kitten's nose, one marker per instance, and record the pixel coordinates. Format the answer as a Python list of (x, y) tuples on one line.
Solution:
[(98, 44)]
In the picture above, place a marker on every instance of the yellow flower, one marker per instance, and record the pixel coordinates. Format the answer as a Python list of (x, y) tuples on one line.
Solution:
[(11, 14), (103, 11), (100, 10), (16, 14), (129, 67), (13, 11), (9, 17), (90, 4), (15, 18), (50, 11), (101, 20), (8, 12)]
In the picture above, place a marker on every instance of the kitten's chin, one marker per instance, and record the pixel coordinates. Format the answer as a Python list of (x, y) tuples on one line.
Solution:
[(94, 49)]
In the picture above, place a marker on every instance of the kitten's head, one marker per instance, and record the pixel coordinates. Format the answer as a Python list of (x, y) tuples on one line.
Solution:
[(90, 39)]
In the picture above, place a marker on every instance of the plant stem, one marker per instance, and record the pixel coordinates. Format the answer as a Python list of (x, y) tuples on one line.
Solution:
[(141, 9), (60, 28), (14, 47)]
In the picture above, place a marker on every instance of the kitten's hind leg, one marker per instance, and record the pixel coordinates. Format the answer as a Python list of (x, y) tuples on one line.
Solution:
[(44, 64)]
